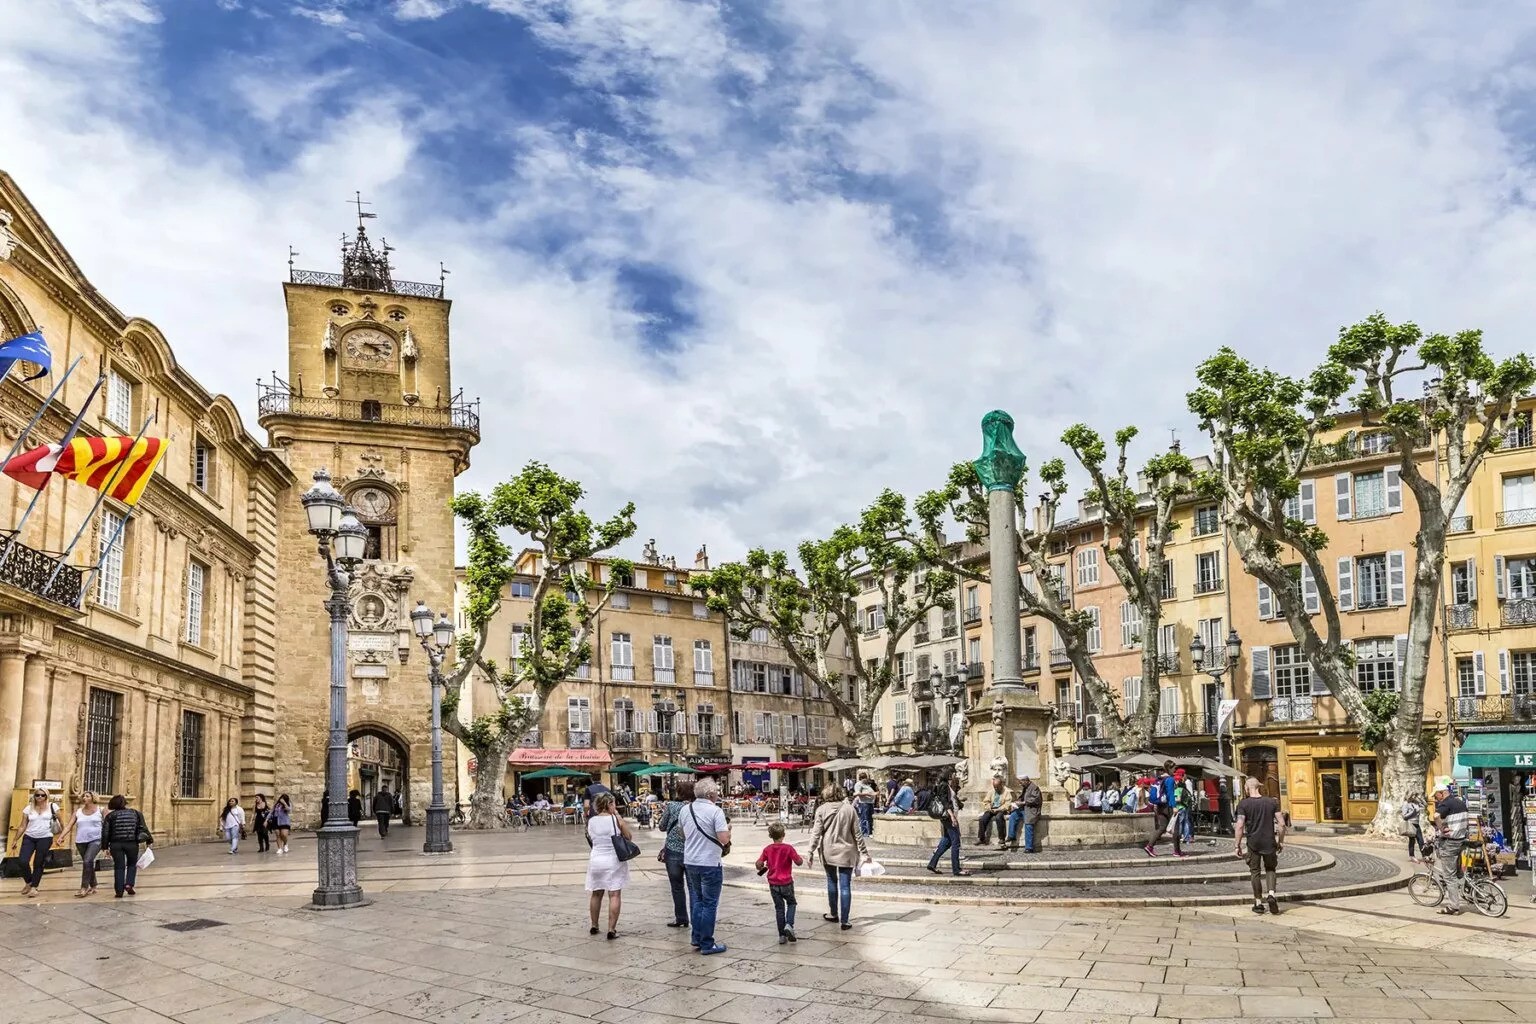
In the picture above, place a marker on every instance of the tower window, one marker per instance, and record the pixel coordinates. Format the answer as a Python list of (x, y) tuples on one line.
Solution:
[(373, 412)]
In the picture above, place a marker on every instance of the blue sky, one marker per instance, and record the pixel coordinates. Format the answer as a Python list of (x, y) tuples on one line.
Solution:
[(750, 262)]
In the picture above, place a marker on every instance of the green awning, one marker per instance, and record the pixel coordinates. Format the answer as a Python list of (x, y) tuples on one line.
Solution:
[(626, 767), (1498, 750)]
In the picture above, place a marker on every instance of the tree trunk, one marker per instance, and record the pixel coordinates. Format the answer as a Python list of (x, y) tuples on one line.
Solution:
[(487, 804), (1403, 765)]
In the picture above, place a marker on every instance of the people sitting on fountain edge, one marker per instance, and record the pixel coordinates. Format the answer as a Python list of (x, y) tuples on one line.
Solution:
[(996, 806), (904, 799)]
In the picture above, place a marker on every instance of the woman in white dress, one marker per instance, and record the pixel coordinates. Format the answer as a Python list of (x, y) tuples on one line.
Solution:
[(605, 872)]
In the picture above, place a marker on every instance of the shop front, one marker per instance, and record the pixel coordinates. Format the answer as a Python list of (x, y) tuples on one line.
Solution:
[(1330, 779), (1504, 764)]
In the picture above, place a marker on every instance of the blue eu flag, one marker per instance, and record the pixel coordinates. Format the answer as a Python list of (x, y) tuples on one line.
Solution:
[(30, 347)]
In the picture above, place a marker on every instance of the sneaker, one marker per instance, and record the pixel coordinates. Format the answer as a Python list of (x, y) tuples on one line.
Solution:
[(1180, 853), (1150, 852), (783, 938), (129, 890), (712, 950), (789, 933), (1258, 908), (1274, 904)]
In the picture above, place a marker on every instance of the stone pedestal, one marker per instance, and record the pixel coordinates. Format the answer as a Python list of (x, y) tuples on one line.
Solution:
[(1008, 734), (907, 830)]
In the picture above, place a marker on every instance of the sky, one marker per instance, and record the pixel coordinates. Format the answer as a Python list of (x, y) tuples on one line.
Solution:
[(748, 263)]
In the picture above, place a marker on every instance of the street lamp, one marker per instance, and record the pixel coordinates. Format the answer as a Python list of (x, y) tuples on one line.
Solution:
[(436, 638), (340, 539), (1216, 671), (951, 689)]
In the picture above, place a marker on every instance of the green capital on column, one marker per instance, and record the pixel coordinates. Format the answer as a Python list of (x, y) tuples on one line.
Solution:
[(1001, 465)]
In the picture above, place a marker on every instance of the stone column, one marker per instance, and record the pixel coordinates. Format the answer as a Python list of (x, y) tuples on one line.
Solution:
[(12, 676), (1007, 661), (34, 721)]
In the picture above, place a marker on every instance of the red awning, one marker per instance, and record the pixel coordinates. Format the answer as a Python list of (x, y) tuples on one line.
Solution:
[(787, 766), (540, 757), (713, 769)]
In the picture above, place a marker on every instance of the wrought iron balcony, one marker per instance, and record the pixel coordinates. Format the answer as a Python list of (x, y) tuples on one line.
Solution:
[(1520, 707), (1519, 434), (709, 744), (1518, 611), (1031, 661), (1289, 709), (326, 279), (625, 741), (1071, 711), (972, 616), (1459, 524), (843, 750), (280, 399), (668, 741), (1356, 446), (1169, 594), (1059, 657), (950, 631), (975, 671), (1516, 517), (1207, 586), (1192, 723), (919, 636), (931, 740), (899, 733), (531, 738), (1168, 663), (1461, 616), (29, 569), (578, 740)]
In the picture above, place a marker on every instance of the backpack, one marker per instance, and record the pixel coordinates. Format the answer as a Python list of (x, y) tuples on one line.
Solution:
[(937, 808), (1157, 794)]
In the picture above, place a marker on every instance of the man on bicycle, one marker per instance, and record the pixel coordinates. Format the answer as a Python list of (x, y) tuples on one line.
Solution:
[(1450, 832)]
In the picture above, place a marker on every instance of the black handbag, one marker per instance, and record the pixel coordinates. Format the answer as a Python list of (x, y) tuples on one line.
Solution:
[(623, 848)]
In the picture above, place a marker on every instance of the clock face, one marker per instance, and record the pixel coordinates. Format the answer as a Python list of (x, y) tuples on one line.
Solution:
[(370, 345), (373, 503)]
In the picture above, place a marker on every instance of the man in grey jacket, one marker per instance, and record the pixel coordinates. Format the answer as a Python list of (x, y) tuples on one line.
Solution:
[(1026, 811), (383, 808)]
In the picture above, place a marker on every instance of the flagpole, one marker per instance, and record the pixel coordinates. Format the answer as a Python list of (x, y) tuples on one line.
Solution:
[(101, 496), (85, 581), (74, 428), (41, 410)]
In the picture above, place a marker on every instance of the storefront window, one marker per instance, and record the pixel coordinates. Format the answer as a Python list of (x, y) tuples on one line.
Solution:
[(1362, 780)]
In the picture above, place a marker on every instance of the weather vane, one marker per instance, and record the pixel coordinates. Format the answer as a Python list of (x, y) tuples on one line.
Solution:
[(358, 201)]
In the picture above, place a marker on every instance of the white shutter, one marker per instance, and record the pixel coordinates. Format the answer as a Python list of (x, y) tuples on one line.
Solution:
[(1471, 579), (1266, 601), (1394, 478), (1402, 659), (1168, 701), (1397, 579), (1127, 625), (1344, 500), (1078, 696), (1500, 587), (1311, 600), (1168, 642), (1346, 584), (1258, 660), (1479, 677), (640, 579), (1503, 671), (1308, 501), (604, 574), (1319, 684), (1095, 634), (680, 723), (650, 721)]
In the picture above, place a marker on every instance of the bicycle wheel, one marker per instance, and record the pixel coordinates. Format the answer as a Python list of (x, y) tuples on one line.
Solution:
[(1488, 897), (1424, 890)]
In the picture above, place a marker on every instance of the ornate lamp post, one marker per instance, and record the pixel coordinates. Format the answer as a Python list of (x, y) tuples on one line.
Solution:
[(341, 539), (952, 690), (435, 639), (1216, 671)]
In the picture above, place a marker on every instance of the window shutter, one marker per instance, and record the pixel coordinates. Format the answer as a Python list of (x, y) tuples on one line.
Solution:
[(1471, 579), (1394, 478), (1127, 630), (1077, 692), (1311, 601), (1397, 579), (1402, 659), (615, 727), (650, 721), (1266, 602), (1319, 684), (1258, 660), (1500, 586), (1345, 504), (1346, 584), (680, 723), (1308, 501), (640, 580), (1479, 678), (1503, 671)]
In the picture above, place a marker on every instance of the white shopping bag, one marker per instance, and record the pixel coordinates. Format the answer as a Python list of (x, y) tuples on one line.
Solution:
[(146, 859), (872, 869)]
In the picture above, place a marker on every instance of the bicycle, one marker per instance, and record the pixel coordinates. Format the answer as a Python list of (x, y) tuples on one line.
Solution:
[(1425, 889)]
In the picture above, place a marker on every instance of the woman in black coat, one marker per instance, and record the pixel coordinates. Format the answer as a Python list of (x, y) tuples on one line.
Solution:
[(355, 807)]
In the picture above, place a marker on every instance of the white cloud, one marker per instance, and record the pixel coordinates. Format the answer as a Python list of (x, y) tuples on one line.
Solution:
[(1101, 200)]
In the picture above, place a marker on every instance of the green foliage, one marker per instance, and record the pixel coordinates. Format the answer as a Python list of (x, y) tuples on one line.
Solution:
[(1381, 707)]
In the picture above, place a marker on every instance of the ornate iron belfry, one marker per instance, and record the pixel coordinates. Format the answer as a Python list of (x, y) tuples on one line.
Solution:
[(362, 266)]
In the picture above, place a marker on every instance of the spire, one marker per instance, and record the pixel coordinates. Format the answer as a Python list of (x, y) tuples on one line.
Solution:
[(362, 266)]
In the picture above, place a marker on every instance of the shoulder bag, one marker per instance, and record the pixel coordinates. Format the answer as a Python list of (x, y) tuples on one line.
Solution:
[(725, 848), (623, 848)]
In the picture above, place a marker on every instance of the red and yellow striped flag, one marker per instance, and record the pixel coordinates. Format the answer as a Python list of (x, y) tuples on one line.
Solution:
[(121, 466)]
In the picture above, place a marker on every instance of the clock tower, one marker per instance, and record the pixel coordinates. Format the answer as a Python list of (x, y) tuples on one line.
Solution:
[(369, 397)]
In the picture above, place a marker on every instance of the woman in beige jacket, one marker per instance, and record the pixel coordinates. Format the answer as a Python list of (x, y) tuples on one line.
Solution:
[(839, 840)]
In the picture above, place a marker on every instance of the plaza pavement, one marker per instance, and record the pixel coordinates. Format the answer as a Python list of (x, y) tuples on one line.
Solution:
[(497, 931)]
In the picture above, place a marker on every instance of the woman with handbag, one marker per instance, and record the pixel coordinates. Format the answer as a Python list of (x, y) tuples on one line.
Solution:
[(39, 824), (608, 864), (671, 853), (232, 823), (87, 834), (122, 832), (838, 837)]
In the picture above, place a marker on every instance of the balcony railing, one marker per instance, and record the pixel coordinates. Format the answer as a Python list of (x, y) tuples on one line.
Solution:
[(950, 631), (1207, 586), (1520, 707), (919, 636), (922, 691), (1168, 663), (1517, 517), (702, 678), (843, 750), (1169, 594), (530, 738), (1289, 709), (1193, 723), (1059, 657), (975, 671), (899, 733), (578, 740), (1356, 446), (664, 675), (709, 744), (1461, 616), (1071, 711), (1519, 435), (1031, 661), (29, 569), (1459, 524), (623, 673), (280, 399), (1518, 611), (325, 279), (668, 741), (625, 741), (972, 616), (931, 740)]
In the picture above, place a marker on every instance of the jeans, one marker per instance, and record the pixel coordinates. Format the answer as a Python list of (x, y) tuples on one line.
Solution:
[(839, 891), (984, 827), (866, 812), (125, 865), (232, 833), (1187, 824), (704, 902), (1447, 868), (263, 843), (784, 905), (1014, 821), (679, 886), (34, 857), (1416, 841), (383, 823), (88, 854), (1257, 860), (950, 842)]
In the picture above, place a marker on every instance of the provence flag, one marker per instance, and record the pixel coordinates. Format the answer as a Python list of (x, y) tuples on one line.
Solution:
[(30, 347), (119, 466)]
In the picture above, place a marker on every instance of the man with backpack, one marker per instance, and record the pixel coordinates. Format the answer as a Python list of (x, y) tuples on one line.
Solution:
[(945, 808), (1165, 802)]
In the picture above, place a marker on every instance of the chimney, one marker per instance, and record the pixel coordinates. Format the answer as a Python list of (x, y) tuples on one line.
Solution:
[(649, 552), (701, 559)]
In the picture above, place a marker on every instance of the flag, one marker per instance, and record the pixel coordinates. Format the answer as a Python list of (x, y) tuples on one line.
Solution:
[(30, 347), (120, 466)]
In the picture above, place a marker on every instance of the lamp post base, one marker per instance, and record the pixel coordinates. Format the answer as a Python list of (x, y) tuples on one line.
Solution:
[(338, 888), (438, 837)]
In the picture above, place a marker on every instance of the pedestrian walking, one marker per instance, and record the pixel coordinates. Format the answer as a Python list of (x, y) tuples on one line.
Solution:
[(864, 803), (232, 823), (1025, 814), (606, 874), (354, 807), (40, 823), (1224, 806), (706, 840), (778, 861), (86, 830), (671, 853), (122, 831), (280, 821), (839, 840), (999, 803), (1412, 827), (1260, 822), (261, 811), (383, 809), (1165, 804), (948, 804), (1450, 833)]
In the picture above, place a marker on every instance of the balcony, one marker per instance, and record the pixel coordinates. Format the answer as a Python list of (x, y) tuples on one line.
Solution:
[(1031, 661), (370, 283), (975, 671), (1518, 435), (1168, 663), (624, 741), (30, 570), (931, 741), (1059, 657), (919, 636), (531, 738), (900, 733), (1282, 710), (1520, 707), (922, 691), (709, 744), (972, 616), (668, 741), (1069, 711), (1207, 586), (1459, 524), (1193, 723), (1518, 611), (664, 675), (1460, 616), (950, 631), (578, 740), (702, 678), (623, 673), (843, 750), (1516, 517), (1356, 446), (1169, 594), (281, 399)]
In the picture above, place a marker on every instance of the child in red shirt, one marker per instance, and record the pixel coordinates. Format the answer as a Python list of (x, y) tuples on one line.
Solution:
[(778, 860)]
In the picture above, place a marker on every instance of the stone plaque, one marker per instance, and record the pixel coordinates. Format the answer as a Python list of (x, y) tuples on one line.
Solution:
[(1026, 753), (370, 672), (371, 641)]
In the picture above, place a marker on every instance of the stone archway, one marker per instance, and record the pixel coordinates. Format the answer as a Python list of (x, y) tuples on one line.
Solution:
[(379, 756)]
